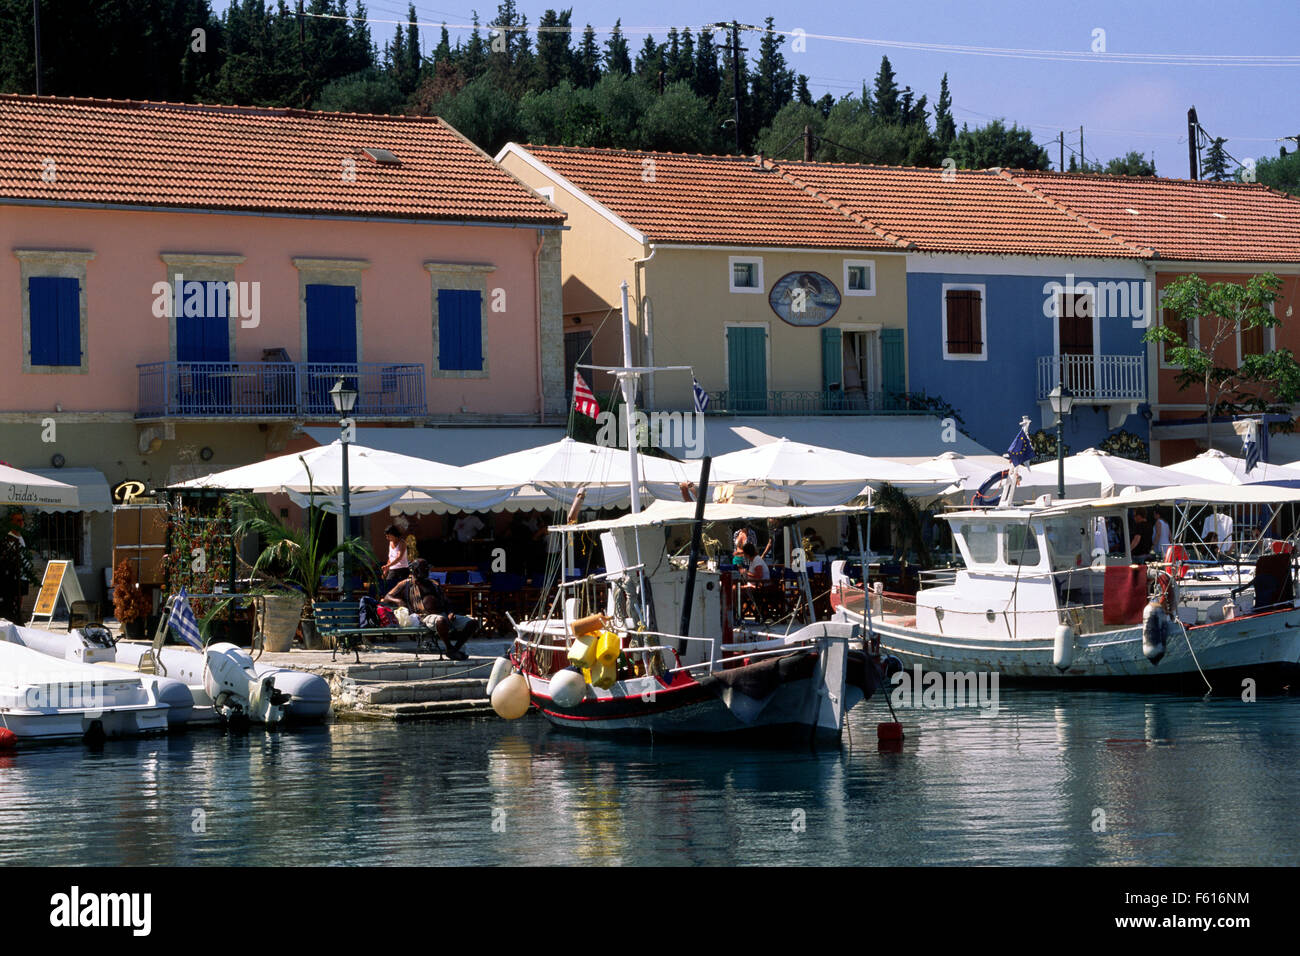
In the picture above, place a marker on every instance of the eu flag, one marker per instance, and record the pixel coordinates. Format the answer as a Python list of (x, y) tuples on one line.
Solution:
[(1021, 450)]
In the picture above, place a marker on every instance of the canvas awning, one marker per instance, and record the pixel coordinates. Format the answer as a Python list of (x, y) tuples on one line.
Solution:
[(92, 491), (893, 436)]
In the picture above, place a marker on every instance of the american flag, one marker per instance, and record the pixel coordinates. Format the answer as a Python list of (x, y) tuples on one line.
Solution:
[(701, 396), (184, 622), (584, 402)]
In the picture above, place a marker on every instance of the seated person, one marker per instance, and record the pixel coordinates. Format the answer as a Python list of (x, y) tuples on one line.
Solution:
[(427, 600), (757, 572)]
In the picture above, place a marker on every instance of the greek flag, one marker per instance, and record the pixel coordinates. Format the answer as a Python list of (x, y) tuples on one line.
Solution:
[(184, 623), (1254, 442), (1021, 450), (701, 396)]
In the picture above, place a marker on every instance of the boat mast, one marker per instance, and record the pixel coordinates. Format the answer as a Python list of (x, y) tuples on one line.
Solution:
[(627, 378)]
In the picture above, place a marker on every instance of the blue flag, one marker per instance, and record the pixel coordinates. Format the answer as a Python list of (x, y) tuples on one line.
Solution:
[(1021, 450), (701, 396), (184, 623)]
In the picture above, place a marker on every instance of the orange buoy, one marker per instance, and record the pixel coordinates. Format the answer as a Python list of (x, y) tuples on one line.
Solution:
[(8, 739)]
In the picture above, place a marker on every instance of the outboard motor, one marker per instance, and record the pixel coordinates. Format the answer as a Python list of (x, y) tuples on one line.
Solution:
[(1155, 628), (238, 693)]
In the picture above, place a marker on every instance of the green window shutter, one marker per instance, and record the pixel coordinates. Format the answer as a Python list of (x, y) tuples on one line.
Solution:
[(747, 369), (832, 359), (893, 364)]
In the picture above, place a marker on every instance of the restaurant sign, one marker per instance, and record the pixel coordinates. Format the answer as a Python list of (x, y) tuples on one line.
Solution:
[(804, 298)]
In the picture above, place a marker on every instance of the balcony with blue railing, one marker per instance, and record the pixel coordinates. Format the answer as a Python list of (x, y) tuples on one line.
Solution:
[(1116, 382), (278, 390), (819, 402)]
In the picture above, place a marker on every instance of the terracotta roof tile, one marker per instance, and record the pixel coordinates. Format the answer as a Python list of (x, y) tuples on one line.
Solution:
[(1181, 218), (962, 211), (252, 159), (731, 200)]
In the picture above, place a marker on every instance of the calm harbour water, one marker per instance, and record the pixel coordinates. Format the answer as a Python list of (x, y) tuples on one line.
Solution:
[(1180, 780)]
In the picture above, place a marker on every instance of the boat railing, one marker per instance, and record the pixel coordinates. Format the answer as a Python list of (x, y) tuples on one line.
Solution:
[(603, 576)]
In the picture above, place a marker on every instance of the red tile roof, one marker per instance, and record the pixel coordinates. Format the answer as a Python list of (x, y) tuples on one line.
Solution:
[(962, 211), (1181, 218), (252, 159), (731, 200)]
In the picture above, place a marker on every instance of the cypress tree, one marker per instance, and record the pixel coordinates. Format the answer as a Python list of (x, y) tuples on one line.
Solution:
[(588, 71), (707, 80), (886, 93), (617, 57)]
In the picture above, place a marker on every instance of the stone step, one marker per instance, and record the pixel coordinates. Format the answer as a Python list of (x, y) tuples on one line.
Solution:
[(415, 691), (427, 710), (387, 671)]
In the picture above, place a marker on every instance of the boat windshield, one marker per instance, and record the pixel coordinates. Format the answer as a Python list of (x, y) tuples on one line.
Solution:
[(1068, 542), (979, 542), (1021, 546)]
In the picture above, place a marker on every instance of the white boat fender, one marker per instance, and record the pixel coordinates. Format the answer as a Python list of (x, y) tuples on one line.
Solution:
[(1155, 628), (1063, 647), (568, 687), (511, 698), (500, 668)]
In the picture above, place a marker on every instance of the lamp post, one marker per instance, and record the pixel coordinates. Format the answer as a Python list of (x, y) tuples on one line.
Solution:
[(344, 398), (1062, 400)]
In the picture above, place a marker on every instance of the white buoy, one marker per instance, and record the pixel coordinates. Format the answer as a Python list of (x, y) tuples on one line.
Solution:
[(500, 668), (1063, 647), (511, 698), (568, 688)]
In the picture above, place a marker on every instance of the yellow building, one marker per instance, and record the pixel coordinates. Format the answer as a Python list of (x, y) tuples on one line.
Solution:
[(783, 302)]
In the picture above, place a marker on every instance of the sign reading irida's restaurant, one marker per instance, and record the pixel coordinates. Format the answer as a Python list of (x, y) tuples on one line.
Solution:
[(804, 298)]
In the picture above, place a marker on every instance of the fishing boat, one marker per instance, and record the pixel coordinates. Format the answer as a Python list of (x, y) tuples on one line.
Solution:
[(1040, 597), (659, 643), (46, 699)]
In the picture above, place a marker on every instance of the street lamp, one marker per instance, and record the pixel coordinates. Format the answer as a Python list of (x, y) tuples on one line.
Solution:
[(1062, 400), (344, 398)]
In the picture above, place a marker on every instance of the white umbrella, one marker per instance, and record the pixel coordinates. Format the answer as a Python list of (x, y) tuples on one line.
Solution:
[(1097, 474), (1217, 468), (24, 488), (813, 475), (560, 468), (968, 473), (376, 479)]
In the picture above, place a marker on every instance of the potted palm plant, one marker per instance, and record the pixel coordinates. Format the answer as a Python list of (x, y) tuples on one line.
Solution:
[(292, 560)]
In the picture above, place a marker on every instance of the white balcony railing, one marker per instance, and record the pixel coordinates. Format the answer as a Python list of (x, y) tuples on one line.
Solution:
[(1094, 378)]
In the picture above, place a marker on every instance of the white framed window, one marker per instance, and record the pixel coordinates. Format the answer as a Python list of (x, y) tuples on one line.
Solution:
[(53, 303), (745, 274), (859, 277), (963, 327), (1191, 335), (1257, 341)]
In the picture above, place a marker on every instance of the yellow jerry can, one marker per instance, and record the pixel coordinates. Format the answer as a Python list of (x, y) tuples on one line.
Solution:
[(608, 647), (582, 652), (603, 675)]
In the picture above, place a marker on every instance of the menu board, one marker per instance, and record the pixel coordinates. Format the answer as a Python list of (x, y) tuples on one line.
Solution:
[(60, 579)]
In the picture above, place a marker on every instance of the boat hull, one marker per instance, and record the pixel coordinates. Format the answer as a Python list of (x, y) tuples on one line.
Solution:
[(1263, 647)]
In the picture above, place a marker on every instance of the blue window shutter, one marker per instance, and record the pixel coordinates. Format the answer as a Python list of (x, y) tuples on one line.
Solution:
[(893, 362), (332, 324), (55, 308), (832, 359), (460, 333)]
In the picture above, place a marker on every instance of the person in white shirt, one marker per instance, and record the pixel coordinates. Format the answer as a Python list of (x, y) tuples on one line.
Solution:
[(1160, 535), (467, 527), (1220, 525)]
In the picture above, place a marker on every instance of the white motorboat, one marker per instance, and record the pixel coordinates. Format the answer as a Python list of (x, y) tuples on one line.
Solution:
[(46, 699), (189, 680), (1036, 600)]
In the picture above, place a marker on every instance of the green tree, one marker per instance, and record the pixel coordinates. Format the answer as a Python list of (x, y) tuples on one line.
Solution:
[(587, 59), (484, 113), (773, 84), (1281, 172), (707, 80), (684, 69), (1131, 163), (996, 145), (554, 58), (802, 94), (367, 92), (617, 57), (1219, 312), (679, 121), (1215, 167), (474, 59), (945, 128), (886, 93), (650, 62), (783, 139)]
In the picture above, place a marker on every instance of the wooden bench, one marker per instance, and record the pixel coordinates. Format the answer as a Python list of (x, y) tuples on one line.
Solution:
[(336, 621)]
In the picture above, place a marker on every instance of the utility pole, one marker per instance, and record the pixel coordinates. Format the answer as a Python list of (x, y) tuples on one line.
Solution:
[(36, 29), (1061, 143), (736, 49), (807, 144), (1083, 161), (1193, 125)]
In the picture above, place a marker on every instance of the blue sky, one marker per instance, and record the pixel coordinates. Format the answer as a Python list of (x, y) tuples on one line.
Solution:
[(1121, 105)]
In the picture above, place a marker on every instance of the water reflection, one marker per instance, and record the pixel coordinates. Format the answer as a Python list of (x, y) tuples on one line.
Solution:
[(1179, 781)]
